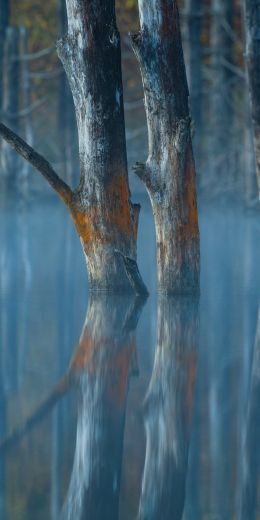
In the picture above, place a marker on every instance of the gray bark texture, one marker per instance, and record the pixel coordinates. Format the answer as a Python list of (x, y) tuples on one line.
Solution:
[(252, 22), (101, 209), (169, 173)]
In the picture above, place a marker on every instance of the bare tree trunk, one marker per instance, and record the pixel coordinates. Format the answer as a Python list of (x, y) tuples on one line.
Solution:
[(100, 207), (194, 14), (4, 22), (169, 173), (252, 23), (10, 104), (221, 150), (168, 411), (25, 86), (103, 214)]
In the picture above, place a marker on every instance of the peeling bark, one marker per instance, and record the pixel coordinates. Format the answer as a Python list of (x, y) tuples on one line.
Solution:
[(169, 173), (252, 23), (104, 216), (168, 411)]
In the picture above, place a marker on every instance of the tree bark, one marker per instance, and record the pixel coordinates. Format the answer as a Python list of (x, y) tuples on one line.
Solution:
[(168, 410), (252, 24), (169, 173), (104, 216)]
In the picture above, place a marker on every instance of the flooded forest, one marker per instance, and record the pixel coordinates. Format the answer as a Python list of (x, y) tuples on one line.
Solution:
[(129, 260)]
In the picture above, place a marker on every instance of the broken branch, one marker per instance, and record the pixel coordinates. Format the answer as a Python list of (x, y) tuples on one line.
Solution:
[(38, 161)]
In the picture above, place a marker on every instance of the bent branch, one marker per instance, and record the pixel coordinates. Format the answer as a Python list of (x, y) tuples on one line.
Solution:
[(38, 161)]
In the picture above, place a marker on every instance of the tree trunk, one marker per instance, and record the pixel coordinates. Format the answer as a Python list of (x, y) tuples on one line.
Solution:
[(169, 173), (221, 161), (4, 22), (102, 364), (168, 411), (194, 14), (26, 98), (10, 102), (104, 216), (252, 22)]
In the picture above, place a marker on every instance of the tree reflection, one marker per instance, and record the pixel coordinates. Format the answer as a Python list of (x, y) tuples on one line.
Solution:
[(251, 455), (168, 410), (101, 365)]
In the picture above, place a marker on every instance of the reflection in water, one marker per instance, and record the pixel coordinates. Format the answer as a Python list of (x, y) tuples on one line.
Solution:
[(37, 476), (102, 363), (168, 410), (251, 454)]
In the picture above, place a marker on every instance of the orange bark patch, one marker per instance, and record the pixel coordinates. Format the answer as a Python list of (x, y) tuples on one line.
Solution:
[(87, 228), (119, 208), (107, 221), (189, 230)]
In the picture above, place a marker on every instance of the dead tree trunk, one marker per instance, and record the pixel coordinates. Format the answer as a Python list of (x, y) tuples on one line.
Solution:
[(100, 207), (169, 173), (252, 23)]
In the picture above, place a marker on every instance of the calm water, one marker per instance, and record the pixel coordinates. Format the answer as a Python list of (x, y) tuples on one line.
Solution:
[(146, 411)]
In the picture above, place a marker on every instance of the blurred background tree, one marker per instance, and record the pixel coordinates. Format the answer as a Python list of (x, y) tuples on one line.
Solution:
[(213, 41)]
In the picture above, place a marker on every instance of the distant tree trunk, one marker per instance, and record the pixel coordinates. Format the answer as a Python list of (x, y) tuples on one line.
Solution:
[(252, 23), (221, 161), (169, 173), (102, 365), (66, 116), (4, 22), (100, 206), (25, 86), (168, 411), (194, 14), (10, 100)]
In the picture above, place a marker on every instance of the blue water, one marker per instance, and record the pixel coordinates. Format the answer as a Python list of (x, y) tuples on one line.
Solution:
[(159, 418)]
